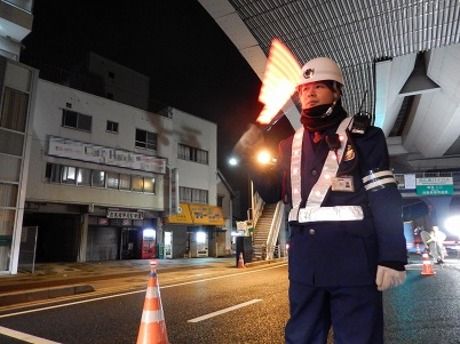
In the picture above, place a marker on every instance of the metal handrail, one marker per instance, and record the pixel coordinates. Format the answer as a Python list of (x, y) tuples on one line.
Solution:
[(274, 230)]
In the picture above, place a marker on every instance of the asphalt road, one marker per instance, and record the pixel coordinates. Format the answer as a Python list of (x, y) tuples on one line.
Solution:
[(116, 319), (424, 309)]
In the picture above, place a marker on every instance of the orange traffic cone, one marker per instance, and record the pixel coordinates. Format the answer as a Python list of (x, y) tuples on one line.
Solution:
[(241, 261), (427, 267), (153, 325)]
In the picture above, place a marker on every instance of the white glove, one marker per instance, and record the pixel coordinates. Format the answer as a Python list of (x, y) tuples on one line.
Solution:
[(249, 142), (388, 278)]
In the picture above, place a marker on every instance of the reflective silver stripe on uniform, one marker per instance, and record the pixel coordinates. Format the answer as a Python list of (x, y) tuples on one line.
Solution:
[(378, 180), (152, 316), (296, 157), (330, 168), (380, 183), (337, 213), (378, 174)]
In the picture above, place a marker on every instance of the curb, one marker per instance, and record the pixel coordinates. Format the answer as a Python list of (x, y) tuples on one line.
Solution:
[(41, 294)]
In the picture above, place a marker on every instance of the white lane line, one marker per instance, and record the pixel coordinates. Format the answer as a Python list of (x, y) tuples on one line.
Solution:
[(24, 336), (222, 311), (135, 292)]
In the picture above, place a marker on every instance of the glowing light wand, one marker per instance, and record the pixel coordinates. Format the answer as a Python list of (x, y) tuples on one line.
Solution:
[(281, 76), (282, 73)]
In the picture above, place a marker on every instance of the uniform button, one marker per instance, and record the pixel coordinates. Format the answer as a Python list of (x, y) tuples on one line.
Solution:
[(311, 231), (314, 172)]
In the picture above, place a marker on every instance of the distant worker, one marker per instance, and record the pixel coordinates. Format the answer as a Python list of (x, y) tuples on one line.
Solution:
[(347, 241), (434, 239)]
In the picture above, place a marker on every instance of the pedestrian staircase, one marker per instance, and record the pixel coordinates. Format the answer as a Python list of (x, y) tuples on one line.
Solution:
[(262, 231)]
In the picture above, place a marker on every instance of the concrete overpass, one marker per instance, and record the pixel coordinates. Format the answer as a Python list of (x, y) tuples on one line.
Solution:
[(402, 54)]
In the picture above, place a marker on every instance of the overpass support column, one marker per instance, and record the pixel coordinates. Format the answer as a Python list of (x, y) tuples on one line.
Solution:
[(439, 208)]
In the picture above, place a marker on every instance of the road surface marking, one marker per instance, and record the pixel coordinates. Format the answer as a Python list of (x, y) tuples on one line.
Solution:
[(135, 292), (24, 336), (222, 311)]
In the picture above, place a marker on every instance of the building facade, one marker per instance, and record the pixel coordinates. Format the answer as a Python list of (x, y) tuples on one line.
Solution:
[(104, 176)]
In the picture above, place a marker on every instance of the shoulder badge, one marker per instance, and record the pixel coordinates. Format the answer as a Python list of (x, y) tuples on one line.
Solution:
[(349, 153)]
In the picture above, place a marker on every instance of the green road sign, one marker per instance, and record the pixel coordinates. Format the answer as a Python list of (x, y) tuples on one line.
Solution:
[(434, 190)]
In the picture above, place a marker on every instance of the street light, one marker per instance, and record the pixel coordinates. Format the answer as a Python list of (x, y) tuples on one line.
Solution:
[(233, 161)]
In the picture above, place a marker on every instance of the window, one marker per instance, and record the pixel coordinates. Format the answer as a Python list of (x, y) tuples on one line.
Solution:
[(76, 120), (61, 174), (112, 127), (137, 183), (220, 201), (84, 176), (113, 180), (192, 154), (69, 175), (146, 139), (125, 182), (193, 195), (149, 184), (98, 178), (14, 110), (8, 195), (53, 173)]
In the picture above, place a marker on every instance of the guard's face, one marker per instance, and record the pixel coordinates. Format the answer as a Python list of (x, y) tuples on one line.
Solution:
[(314, 94)]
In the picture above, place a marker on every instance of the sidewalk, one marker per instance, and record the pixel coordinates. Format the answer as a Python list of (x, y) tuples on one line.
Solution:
[(52, 280)]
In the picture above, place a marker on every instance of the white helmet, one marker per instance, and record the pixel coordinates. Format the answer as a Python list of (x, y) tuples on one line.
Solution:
[(320, 69)]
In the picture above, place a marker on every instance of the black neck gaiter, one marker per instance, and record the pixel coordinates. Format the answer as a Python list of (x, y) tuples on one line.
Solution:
[(314, 120)]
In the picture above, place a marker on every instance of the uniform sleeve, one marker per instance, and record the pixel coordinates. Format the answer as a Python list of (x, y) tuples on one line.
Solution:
[(384, 199)]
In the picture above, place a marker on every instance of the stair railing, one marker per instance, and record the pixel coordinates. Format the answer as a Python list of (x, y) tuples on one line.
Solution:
[(275, 226)]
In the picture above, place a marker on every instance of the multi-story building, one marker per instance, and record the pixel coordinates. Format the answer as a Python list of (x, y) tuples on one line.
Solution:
[(103, 176), (17, 83)]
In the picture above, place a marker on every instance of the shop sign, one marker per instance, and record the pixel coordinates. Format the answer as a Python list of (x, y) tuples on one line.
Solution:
[(132, 215), (182, 216), (105, 155), (204, 214)]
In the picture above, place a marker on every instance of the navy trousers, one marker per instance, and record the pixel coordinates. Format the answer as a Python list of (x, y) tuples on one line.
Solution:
[(356, 315)]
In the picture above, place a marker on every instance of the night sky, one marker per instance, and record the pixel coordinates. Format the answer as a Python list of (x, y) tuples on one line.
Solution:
[(191, 63)]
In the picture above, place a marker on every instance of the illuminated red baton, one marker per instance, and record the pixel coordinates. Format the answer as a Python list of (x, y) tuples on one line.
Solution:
[(281, 76)]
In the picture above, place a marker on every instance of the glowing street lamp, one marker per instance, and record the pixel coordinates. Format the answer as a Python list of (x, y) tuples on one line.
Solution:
[(233, 161)]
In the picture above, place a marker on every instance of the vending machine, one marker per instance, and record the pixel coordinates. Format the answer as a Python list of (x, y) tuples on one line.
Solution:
[(199, 244), (168, 245), (149, 243)]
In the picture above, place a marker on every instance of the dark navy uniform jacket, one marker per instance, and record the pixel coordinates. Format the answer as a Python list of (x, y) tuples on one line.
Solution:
[(340, 253)]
